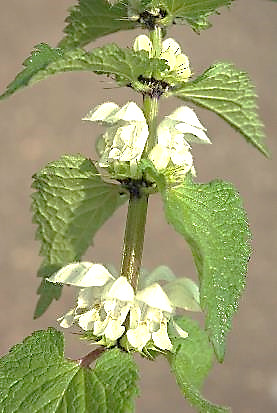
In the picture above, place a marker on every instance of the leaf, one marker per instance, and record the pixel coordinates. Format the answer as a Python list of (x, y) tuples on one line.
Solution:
[(35, 377), (126, 64), (190, 362), (193, 12), (118, 373), (212, 220), (91, 19), (228, 92), (70, 204), (39, 60)]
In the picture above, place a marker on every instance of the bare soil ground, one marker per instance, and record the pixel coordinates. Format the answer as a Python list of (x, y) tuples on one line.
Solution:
[(39, 124)]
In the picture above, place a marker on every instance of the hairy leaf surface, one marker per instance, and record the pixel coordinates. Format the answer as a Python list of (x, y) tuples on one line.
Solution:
[(190, 362), (35, 377), (70, 204), (125, 64), (228, 92), (91, 19), (118, 373), (212, 220)]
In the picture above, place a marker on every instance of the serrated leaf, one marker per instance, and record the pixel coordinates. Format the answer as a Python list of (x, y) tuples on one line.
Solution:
[(190, 362), (70, 204), (35, 377), (39, 59), (193, 12), (212, 220), (125, 64), (91, 19), (118, 373), (229, 93)]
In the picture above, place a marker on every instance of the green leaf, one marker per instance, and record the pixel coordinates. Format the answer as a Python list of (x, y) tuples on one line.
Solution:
[(70, 204), (190, 362), (91, 19), (118, 373), (39, 60), (35, 377), (126, 64), (228, 92), (212, 220), (193, 12)]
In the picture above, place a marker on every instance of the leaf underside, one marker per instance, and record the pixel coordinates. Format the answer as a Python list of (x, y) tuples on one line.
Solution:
[(35, 377), (192, 12), (212, 220), (229, 93), (190, 362), (70, 204)]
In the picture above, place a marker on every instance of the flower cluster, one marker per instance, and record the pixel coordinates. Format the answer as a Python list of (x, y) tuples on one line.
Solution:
[(121, 147), (104, 302), (177, 62)]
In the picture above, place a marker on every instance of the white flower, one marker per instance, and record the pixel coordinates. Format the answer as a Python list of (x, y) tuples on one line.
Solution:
[(126, 134), (104, 303), (171, 52), (173, 134), (149, 318)]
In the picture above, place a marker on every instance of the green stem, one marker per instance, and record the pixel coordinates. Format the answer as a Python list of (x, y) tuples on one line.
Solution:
[(138, 203), (150, 110), (156, 39), (134, 238)]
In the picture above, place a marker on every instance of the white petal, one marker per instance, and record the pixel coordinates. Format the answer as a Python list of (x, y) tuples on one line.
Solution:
[(121, 290), (161, 339), (142, 42), (86, 320), (153, 318), (87, 297), (128, 142), (123, 313), (138, 337), (130, 112), (183, 293), (187, 115), (182, 157), (155, 297), (82, 274), (109, 306), (99, 327), (135, 315), (196, 135), (160, 156), (103, 113), (164, 133), (170, 45), (67, 320), (170, 59), (114, 330)]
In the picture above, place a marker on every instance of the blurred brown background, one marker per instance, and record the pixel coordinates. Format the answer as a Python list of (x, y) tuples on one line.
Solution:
[(39, 124)]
